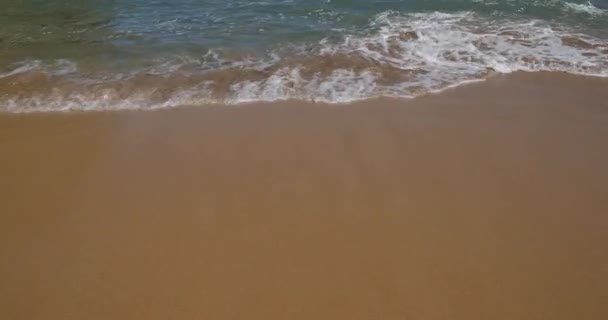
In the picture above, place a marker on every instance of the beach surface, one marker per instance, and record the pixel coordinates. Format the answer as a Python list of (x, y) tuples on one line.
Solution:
[(487, 201)]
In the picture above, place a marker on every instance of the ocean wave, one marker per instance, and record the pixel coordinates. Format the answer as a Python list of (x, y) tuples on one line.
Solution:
[(56, 67), (587, 8), (399, 56)]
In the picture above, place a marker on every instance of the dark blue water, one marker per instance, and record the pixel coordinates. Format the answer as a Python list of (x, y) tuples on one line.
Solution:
[(86, 54)]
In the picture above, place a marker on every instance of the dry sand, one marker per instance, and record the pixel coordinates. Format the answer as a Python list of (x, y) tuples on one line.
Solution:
[(489, 201)]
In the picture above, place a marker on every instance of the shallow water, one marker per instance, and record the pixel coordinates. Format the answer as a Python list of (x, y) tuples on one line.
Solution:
[(89, 55)]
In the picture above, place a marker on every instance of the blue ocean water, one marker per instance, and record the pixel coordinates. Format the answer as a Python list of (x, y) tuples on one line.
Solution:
[(115, 54)]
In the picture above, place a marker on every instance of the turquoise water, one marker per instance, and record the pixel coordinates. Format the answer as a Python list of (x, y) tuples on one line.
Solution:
[(85, 54)]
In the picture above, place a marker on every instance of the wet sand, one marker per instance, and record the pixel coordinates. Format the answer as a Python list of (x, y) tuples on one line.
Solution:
[(488, 201)]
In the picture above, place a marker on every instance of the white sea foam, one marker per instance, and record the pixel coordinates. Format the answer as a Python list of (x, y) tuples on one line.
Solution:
[(444, 50), (587, 8), (400, 56)]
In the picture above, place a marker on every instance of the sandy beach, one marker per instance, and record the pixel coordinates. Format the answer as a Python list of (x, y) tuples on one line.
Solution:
[(487, 201)]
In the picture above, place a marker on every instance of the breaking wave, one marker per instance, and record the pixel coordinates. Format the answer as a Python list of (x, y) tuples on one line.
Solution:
[(587, 8), (399, 56)]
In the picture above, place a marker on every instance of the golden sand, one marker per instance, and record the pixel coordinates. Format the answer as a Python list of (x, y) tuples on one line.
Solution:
[(484, 202)]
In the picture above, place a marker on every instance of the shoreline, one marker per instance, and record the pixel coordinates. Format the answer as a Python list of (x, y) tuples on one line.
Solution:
[(27, 90), (559, 78), (485, 201)]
